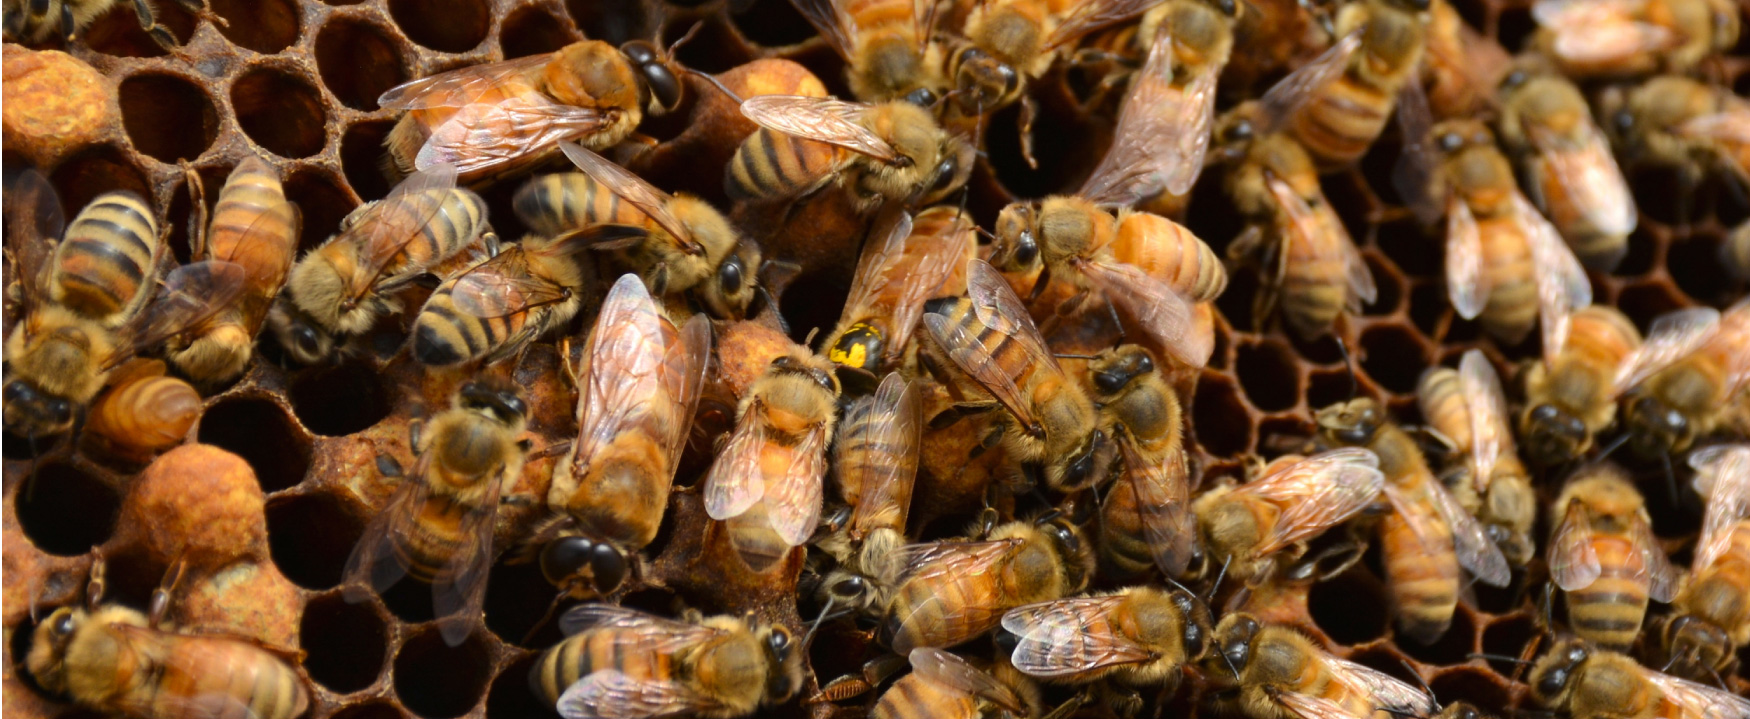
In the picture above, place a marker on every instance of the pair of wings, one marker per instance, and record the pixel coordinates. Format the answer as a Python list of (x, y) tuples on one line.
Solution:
[(1319, 228), (1581, 163), (1722, 476), (1729, 126), (839, 123), (384, 229), (1384, 691), (1162, 135), (900, 269), (649, 200), (945, 562), (877, 481), (738, 479), (1068, 637), (1677, 335), (1490, 428), (612, 694), (639, 366), (1600, 31), (511, 283), (995, 306), (1163, 503), (1470, 541), (1315, 493), (480, 135), (838, 24), (1698, 700), (953, 672), (1574, 565), (194, 657)]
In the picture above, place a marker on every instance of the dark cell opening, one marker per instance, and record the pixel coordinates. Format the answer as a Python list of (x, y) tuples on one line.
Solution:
[(713, 49), (92, 173), (322, 205), (511, 697), (1393, 356), (516, 597), (1451, 647), (336, 401), (1428, 309), (443, 25), (118, 31), (826, 293), (167, 117), (1221, 419), (1349, 607), (1700, 273), (179, 216), (1066, 147), (532, 30), (358, 62), (343, 643), (1325, 388), (1475, 687), (311, 537), (1391, 287), (1644, 303), (1268, 374), (361, 155), (281, 112), (260, 432), (369, 711), (436, 680), (1237, 301), (1515, 26), (1323, 349), (612, 21), (773, 23), (265, 26), (1507, 637), (65, 511), (1643, 251), (1413, 250)]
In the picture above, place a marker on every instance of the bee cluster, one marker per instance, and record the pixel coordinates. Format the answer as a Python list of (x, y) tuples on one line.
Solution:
[(1122, 358)]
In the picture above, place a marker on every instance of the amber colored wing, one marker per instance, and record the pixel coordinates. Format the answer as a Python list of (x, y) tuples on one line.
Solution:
[(1662, 578), (834, 24), (735, 480), (1735, 328), (1287, 96), (1562, 285), (885, 486), (1486, 403), (502, 286), (1066, 637), (883, 252), (458, 587), (33, 227), (1698, 700), (480, 136), (1307, 706), (1163, 498), (1573, 564), (1466, 285), (1596, 31), (795, 495), (927, 275), (459, 87), (957, 560), (1723, 477), (1155, 306), (996, 306), (953, 672), (1672, 337), (1386, 691), (1162, 134), (1418, 161), (191, 658), (611, 694), (386, 227), (376, 562), (1317, 493), (1091, 15), (598, 616), (821, 119), (1357, 276), (1476, 552), (190, 295), (633, 189), (1589, 175)]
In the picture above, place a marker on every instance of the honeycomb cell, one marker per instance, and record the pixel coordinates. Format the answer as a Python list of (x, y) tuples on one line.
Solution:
[(1452, 647), (65, 511), (1700, 273), (1474, 686), (322, 202), (1268, 376), (361, 154), (511, 697), (443, 25), (437, 681), (1069, 156), (167, 117), (713, 49), (1394, 356), (1646, 301), (1414, 251), (91, 173), (260, 432), (1324, 349), (1643, 251), (533, 30), (1390, 283), (1506, 637), (772, 23), (1428, 309), (358, 61), (280, 111), (118, 31), (1514, 25), (1235, 303), (343, 643), (518, 596), (340, 400), (1386, 659), (1349, 607), (1325, 388), (310, 536), (265, 26), (612, 21), (374, 710), (1220, 418)]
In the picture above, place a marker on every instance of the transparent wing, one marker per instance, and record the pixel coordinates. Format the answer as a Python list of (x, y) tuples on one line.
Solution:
[(1162, 133), (1155, 306), (832, 21), (1466, 285), (1307, 706), (1357, 276), (376, 561), (1562, 285), (1317, 493), (1386, 691), (191, 659), (1573, 564), (190, 295), (1672, 337), (882, 258), (482, 135), (1588, 173), (1418, 161), (1286, 97), (952, 671), (459, 586), (936, 559), (1723, 477), (1092, 15), (633, 189), (459, 87), (599, 616), (1735, 329), (1699, 700), (1163, 498), (1066, 637), (1486, 403), (997, 307), (885, 487), (951, 562), (33, 227), (976, 360), (1662, 577), (610, 694), (736, 481), (1420, 520), (385, 228), (926, 275), (796, 494), (1476, 552), (502, 286), (821, 119)]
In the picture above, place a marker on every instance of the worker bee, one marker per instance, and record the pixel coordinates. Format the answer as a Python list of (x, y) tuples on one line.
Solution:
[(1710, 620), (1570, 396), (1568, 168), (944, 686), (1585, 682), (1683, 123), (887, 47), (1141, 636), (877, 461), (1588, 38), (499, 119), (766, 482), (890, 151), (1468, 407), (1686, 380), (113, 658), (1145, 517), (256, 228), (1428, 535), (438, 526), (35, 21), (905, 262), (494, 309), (1311, 266), (1257, 528), (142, 412), (623, 663), (1050, 422), (1146, 265), (1463, 67), (946, 593), (639, 385), (1603, 555), (1281, 674), (344, 286)]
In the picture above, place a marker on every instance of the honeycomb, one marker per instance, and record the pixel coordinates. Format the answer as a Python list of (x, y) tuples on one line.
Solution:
[(295, 81)]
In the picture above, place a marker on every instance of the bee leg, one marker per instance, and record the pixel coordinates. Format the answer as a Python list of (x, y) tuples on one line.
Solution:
[(197, 217), (94, 585), (1029, 111), (161, 596), (160, 34), (200, 9), (1071, 706), (1124, 701), (874, 672)]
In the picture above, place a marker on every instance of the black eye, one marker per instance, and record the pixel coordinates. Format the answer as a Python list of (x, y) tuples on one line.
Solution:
[(1109, 382), (514, 405), (1450, 142), (1011, 80), (639, 52), (1625, 121), (1194, 636), (1082, 467), (945, 173), (1674, 421), (922, 97), (1242, 130), (729, 276), (849, 587), (1551, 684), (1144, 364), (608, 567), (1227, 7), (306, 339), (1515, 79), (1066, 537), (18, 392), (1357, 434), (64, 625), (61, 410), (563, 557), (1026, 249), (664, 86), (779, 642)]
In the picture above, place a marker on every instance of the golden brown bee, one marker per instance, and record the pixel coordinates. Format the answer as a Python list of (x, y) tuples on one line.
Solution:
[(638, 388), (1735, 251), (1469, 408), (766, 483), (499, 119), (905, 262), (1585, 682), (437, 528), (1281, 674), (944, 686), (256, 228), (1603, 555), (886, 45), (1569, 396), (344, 286), (1710, 618), (34, 21), (1202, 38), (1141, 636), (1603, 38), (1427, 536), (949, 592), (1145, 517), (1050, 422), (1463, 66), (142, 412), (1568, 167), (877, 461), (1686, 381), (114, 659), (622, 663), (494, 309), (890, 151), (1310, 264), (1257, 528), (1683, 123)]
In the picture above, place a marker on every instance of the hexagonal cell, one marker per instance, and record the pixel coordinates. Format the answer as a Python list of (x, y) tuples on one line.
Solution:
[(1702, 276), (1507, 637), (1387, 660), (612, 21), (343, 643), (361, 155), (1350, 607), (282, 112), (1414, 251), (65, 511), (118, 31), (518, 596), (358, 62), (1268, 375), (1452, 647), (1394, 356), (437, 681), (1429, 307), (265, 26), (533, 30), (93, 172), (1325, 388), (443, 25), (260, 432), (182, 204), (715, 48), (1076, 148), (511, 696), (373, 710), (340, 400), (1221, 423), (1487, 693), (1390, 283), (1647, 301), (323, 204), (1643, 253), (167, 117), (772, 23), (310, 537)]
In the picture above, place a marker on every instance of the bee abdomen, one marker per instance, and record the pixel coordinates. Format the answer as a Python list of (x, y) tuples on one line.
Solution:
[(1123, 549), (1338, 125), (444, 335), (453, 219), (254, 219), (1424, 585), (1609, 611), (772, 164), (107, 260)]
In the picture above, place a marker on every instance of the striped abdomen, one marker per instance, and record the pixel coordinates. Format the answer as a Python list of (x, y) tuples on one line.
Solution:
[(945, 609), (144, 414), (1424, 579), (1167, 251), (105, 265), (1315, 288), (595, 650), (415, 127), (1511, 277), (914, 697), (445, 335), (254, 226), (1005, 353), (863, 456), (561, 202), (1608, 612), (1580, 378), (430, 226), (771, 164), (430, 533), (1443, 406), (1718, 594), (196, 669), (1124, 549), (1341, 121)]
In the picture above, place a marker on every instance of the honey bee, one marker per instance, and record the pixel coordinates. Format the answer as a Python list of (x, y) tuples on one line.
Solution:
[(1710, 619), (886, 45), (1569, 396), (438, 526), (1145, 517), (1311, 265), (639, 387), (142, 412), (1569, 170), (905, 262), (113, 658), (1603, 555), (946, 593), (1428, 535), (1679, 122), (1686, 380), (35, 21), (1588, 38), (1735, 251), (1281, 674), (1463, 66), (890, 151), (344, 286), (623, 663), (1050, 422), (494, 309), (1590, 683), (498, 119), (1141, 636), (256, 228), (944, 686), (1469, 408), (1255, 529), (877, 461), (766, 482)]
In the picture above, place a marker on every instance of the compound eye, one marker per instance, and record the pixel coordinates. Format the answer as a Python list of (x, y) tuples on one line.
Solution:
[(64, 625), (922, 97), (945, 173), (1357, 434), (61, 411), (1144, 364), (17, 392), (1011, 79), (564, 557), (1227, 7), (608, 566), (1675, 421), (664, 86), (1067, 538), (307, 340), (514, 405), (1624, 120), (1026, 249), (1242, 130), (1515, 79), (779, 642), (1551, 684), (1109, 382), (729, 276), (1450, 142), (849, 587), (639, 52)]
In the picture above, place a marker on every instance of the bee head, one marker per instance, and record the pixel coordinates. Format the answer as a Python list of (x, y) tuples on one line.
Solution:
[(1552, 675), (576, 560), (1353, 423), (1553, 435), (1114, 369), (783, 663), (497, 398), (1016, 246), (982, 82), (1656, 429), (1233, 643), (31, 412), (651, 66)]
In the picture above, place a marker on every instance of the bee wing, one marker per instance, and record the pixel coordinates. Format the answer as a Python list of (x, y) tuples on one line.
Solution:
[(1355, 271), (458, 87), (1386, 691), (629, 368), (191, 658), (833, 22), (1317, 493), (735, 481), (610, 694), (1162, 133), (502, 286), (926, 276), (1065, 637), (952, 671), (796, 494), (1486, 403), (458, 588), (190, 295), (896, 430), (376, 561), (1163, 498), (1095, 14), (482, 135), (882, 253), (1420, 523), (33, 226), (996, 306), (1723, 477), (1588, 173), (1476, 552), (947, 559), (1729, 126), (1562, 285), (1418, 161), (389, 225), (1736, 322), (1287, 96), (821, 119), (1466, 284), (1307, 706), (1662, 577), (1590, 31), (599, 616), (1698, 700), (1573, 564), (1156, 307), (1672, 337), (631, 188)]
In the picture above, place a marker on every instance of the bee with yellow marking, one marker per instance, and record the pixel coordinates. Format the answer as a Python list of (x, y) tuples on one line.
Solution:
[(1138, 636), (142, 412), (1145, 517), (1469, 408), (877, 461), (887, 47), (1257, 529), (905, 262), (437, 528), (494, 309), (1710, 619), (1609, 38), (1603, 556), (1281, 674), (1586, 682), (1687, 380), (624, 664), (1569, 395), (944, 686)]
